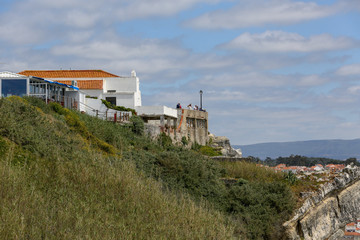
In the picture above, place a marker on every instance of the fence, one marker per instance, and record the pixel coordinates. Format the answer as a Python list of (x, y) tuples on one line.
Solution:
[(108, 115)]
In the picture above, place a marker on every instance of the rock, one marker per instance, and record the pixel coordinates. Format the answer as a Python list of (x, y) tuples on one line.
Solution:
[(223, 144), (324, 212), (338, 235)]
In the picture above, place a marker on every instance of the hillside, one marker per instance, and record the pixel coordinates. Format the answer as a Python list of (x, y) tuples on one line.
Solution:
[(335, 149), (66, 175)]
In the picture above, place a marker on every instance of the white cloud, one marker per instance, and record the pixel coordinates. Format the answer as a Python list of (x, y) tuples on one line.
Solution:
[(354, 89), (353, 69), (279, 41), (262, 12), (311, 80), (157, 8), (35, 21), (117, 49)]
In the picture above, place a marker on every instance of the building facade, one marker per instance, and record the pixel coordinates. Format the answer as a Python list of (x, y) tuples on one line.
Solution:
[(120, 91), (13, 84)]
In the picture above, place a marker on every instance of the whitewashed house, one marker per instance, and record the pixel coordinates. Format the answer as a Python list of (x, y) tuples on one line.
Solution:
[(120, 91)]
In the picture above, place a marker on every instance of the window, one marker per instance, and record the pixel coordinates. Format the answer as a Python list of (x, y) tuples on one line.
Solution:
[(111, 100), (13, 87)]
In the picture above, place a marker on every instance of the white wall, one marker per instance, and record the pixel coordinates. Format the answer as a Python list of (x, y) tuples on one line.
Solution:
[(94, 104), (137, 99), (123, 84), (126, 100), (92, 92), (156, 111)]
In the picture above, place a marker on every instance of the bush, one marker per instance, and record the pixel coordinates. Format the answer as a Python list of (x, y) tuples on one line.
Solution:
[(262, 206), (184, 141), (137, 125), (118, 108), (209, 151)]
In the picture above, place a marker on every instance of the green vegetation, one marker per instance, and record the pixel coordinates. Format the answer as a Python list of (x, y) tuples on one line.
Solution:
[(297, 160), (66, 175), (118, 108), (87, 96), (209, 151), (261, 198), (251, 171)]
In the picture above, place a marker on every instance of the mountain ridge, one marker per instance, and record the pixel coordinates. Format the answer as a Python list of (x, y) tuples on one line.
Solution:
[(332, 148)]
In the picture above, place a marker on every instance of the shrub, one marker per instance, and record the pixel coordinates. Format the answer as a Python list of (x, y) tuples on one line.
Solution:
[(137, 125), (184, 141), (209, 151), (165, 141), (118, 108), (262, 206)]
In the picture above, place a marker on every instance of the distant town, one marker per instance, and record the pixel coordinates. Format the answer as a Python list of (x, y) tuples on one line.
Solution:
[(352, 230)]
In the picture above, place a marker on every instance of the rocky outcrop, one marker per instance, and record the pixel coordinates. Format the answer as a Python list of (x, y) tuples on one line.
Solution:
[(223, 144), (334, 205)]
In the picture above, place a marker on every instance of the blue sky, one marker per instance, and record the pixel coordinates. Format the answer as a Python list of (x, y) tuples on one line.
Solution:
[(271, 70)]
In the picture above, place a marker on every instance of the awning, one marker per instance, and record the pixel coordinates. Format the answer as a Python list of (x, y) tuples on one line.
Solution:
[(57, 83)]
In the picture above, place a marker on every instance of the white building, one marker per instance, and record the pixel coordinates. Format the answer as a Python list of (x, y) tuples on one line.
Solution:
[(120, 91)]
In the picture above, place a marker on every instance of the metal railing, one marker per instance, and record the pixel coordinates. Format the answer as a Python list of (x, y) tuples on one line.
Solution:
[(109, 114), (65, 101)]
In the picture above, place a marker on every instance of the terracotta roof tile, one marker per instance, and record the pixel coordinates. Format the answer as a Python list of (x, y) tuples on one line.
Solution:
[(68, 73), (86, 84), (352, 234)]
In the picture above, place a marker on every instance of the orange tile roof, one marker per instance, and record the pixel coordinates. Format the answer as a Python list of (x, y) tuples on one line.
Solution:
[(352, 234), (67, 73), (86, 84)]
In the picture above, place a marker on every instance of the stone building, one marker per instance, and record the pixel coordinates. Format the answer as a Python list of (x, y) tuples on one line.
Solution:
[(193, 125), (176, 123)]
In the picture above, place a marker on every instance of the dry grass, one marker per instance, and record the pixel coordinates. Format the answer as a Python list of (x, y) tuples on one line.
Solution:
[(97, 200), (250, 171)]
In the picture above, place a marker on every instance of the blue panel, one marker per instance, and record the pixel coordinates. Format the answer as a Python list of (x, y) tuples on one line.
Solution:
[(11, 87)]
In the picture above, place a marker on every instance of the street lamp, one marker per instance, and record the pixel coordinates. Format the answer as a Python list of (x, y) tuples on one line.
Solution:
[(201, 92)]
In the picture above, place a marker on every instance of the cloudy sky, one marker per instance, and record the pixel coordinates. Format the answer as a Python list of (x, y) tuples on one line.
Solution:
[(271, 70)]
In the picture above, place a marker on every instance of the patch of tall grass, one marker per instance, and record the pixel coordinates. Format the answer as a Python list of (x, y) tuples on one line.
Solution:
[(97, 199), (250, 171)]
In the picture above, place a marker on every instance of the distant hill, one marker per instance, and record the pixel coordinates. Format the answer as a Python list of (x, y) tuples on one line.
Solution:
[(335, 149)]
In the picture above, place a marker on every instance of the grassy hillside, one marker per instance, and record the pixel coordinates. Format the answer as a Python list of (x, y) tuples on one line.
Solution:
[(65, 175)]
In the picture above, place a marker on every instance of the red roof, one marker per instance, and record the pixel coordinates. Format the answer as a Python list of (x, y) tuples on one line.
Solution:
[(68, 73), (352, 234), (86, 84)]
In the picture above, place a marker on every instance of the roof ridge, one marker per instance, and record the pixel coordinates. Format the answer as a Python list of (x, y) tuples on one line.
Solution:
[(101, 73)]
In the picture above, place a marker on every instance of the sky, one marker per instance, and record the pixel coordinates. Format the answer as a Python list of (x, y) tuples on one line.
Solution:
[(270, 70)]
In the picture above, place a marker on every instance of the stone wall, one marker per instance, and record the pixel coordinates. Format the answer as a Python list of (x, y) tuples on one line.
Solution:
[(334, 205), (193, 125)]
